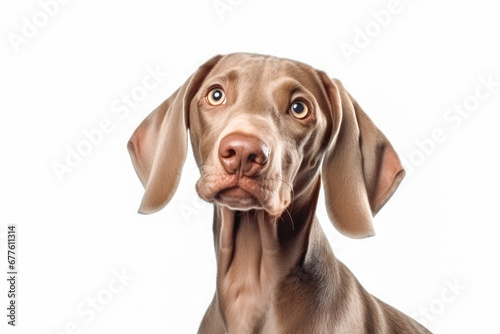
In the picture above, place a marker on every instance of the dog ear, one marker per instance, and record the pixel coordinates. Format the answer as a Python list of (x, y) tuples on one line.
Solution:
[(360, 169), (158, 147)]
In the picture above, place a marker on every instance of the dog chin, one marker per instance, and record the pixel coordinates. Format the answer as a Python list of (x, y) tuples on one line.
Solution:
[(237, 198)]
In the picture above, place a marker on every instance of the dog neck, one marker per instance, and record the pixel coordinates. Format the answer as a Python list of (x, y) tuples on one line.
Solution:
[(258, 256)]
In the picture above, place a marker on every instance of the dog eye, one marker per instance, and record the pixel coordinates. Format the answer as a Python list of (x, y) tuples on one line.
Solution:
[(216, 97), (299, 109)]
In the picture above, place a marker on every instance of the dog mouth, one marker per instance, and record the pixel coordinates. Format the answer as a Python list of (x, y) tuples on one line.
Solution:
[(237, 198), (240, 193)]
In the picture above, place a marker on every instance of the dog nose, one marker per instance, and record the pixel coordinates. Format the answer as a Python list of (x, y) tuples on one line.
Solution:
[(243, 153)]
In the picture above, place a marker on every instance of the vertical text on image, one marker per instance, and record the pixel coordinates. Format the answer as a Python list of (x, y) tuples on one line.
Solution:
[(12, 275)]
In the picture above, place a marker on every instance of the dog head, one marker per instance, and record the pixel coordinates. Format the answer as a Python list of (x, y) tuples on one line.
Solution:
[(262, 129)]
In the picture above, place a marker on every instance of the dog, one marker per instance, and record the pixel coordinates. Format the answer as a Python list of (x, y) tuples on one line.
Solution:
[(266, 132)]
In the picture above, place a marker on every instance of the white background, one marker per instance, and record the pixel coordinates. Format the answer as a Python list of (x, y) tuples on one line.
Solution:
[(441, 227)]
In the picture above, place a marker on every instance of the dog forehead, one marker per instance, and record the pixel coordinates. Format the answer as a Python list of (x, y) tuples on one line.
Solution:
[(255, 68)]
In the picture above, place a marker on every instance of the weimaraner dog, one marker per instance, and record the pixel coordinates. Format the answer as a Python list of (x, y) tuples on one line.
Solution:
[(265, 133)]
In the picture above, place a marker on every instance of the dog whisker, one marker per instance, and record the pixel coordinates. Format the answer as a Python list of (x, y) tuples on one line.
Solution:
[(291, 219)]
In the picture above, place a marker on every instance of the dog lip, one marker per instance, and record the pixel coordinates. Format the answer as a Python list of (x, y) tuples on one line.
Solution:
[(235, 191)]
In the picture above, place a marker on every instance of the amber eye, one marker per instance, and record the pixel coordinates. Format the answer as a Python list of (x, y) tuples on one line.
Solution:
[(216, 97), (299, 109)]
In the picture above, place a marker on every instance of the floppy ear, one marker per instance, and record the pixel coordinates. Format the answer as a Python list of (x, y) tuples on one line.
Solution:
[(360, 169), (158, 146)]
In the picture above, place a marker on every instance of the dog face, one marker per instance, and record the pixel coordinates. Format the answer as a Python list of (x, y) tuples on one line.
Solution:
[(258, 127), (261, 128)]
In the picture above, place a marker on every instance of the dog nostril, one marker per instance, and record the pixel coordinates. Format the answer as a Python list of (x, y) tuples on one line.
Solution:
[(252, 157), (231, 153), (228, 153)]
